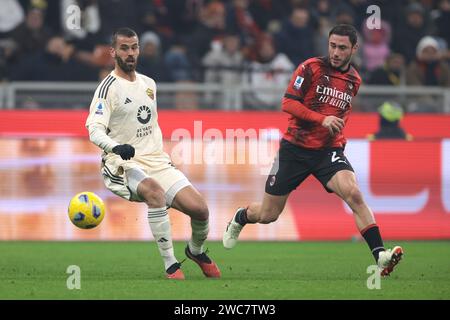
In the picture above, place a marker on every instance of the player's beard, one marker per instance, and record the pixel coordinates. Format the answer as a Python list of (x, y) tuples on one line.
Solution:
[(344, 63), (126, 67)]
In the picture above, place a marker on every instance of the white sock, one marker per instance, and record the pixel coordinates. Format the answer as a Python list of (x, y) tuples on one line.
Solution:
[(200, 231), (159, 222)]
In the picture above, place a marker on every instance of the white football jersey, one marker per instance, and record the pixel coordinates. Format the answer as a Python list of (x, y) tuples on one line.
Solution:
[(128, 111)]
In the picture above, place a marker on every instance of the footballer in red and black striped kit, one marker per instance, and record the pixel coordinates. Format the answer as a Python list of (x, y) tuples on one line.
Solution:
[(327, 91), (318, 100)]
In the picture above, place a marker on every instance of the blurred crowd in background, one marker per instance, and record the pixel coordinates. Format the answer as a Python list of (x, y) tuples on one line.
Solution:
[(228, 41)]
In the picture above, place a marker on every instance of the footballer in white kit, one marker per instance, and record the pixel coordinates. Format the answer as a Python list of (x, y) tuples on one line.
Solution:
[(123, 122), (128, 111)]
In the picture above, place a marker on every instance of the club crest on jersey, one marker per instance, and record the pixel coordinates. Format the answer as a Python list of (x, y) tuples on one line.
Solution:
[(150, 93), (144, 114), (298, 82), (99, 109)]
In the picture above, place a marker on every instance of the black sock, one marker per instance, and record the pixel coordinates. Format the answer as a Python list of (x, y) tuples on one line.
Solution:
[(241, 217), (373, 238)]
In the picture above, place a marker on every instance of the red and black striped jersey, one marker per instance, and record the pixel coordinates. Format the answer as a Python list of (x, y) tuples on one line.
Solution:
[(325, 90)]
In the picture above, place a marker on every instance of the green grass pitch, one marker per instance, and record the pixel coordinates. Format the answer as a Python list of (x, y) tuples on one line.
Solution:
[(252, 270)]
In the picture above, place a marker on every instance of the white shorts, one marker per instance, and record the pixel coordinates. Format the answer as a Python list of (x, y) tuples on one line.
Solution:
[(114, 172)]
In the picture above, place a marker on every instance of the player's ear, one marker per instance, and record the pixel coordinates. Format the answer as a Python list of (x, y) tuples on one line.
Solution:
[(355, 47), (112, 52)]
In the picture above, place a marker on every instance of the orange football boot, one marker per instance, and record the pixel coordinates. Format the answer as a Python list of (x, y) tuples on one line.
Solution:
[(208, 266), (175, 272)]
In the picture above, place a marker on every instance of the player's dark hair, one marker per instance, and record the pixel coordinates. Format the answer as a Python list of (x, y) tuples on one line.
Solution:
[(345, 30), (125, 32)]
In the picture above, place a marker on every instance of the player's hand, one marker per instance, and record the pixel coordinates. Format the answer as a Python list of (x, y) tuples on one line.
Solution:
[(125, 151), (333, 124)]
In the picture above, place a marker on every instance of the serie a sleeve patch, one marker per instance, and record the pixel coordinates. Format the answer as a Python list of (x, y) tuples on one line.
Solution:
[(298, 82)]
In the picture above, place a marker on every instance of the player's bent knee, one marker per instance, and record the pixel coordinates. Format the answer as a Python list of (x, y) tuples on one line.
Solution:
[(199, 211), (354, 197)]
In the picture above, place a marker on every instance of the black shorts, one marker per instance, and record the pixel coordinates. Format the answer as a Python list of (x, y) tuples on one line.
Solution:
[(294, 164)]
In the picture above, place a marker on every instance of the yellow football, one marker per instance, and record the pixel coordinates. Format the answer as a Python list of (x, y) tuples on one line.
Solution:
[(86, 210)]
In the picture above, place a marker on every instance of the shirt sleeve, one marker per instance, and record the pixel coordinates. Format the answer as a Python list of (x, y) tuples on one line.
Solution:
[(99, 115), (300, 83), (101, 108), (98, 136), (298, 110), (293, 100)]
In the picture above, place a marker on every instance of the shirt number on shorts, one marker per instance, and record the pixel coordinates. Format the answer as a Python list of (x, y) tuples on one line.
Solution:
[(335, 157)]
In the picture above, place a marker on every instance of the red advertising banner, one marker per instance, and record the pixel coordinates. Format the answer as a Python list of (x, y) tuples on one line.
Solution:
[(71, 123), (47, 159)]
